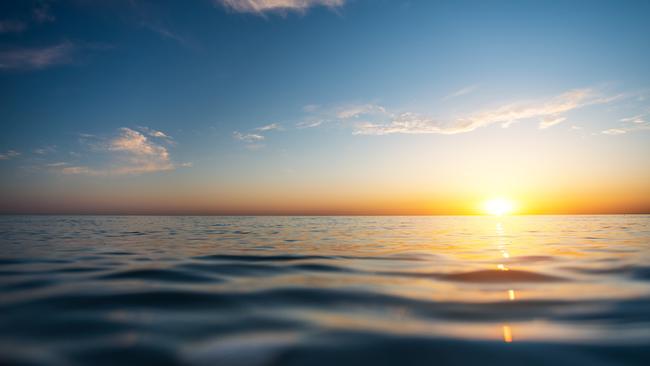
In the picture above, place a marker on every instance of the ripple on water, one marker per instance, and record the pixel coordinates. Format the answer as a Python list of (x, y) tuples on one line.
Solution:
[(324, 291)]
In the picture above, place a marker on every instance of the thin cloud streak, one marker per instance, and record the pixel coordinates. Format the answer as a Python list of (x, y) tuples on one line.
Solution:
[(262, 6), (167, 33), (359, 110), (254, 140), (632, 124), (549, 121), (157, 134), (461, 92), (269, 127), (550, 113), (12, 26), (247, 137), (309, 124), (9, 154), (43, 13), (37, 58), (45, 150)]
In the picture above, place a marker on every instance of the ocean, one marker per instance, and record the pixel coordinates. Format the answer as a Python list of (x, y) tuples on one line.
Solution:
[(210, 290)]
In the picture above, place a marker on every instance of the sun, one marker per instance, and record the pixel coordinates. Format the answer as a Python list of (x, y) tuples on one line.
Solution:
[(499, 206)]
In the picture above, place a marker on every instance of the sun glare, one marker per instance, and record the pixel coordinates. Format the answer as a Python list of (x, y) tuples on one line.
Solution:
[(499, 206)]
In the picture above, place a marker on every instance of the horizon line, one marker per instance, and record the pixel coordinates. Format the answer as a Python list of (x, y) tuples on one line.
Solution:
[(234, 214)]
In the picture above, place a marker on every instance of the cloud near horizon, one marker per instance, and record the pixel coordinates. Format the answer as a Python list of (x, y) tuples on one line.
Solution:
[(9, 154), (262, 6), (550, 112), (131, 152)]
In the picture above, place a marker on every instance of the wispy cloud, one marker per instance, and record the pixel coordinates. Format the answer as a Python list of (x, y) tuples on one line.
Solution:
[(550, 112), (631, 124), (309, 123), (310, 108), (12, 26), (155, 133), (9, 154), (43, 13), (130, 152), (614, 131), (262, 6), (461, 92), (641, 118), (45, 150), (37, 58), (247, 137), (254, 140), (318, 115), (167, 33), (359, 110), (269, 127), (57, 164), (552, 120)]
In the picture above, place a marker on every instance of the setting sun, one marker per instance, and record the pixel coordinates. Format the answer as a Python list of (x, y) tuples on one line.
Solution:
[(499, 206)]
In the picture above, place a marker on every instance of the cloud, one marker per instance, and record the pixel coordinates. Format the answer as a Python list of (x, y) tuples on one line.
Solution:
[(42, 13), (318, 115), (155, 133), (10, 154), (406, 123), (549, 111), (310, 124), (45, 150), (37, 58), (632, 124), (461, 92), (78, 170), (166, 33), (635, 119), (57, 164), (262, 6), (310, 108), (135, 142), (12, 26), (269, 127), (248, 137), (158, 134), (549, 121), (614, 131), (253, 140), (359, 110), (130, 152)]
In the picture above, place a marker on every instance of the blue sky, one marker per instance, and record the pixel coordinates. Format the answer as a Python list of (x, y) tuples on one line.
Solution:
[(281, 102)]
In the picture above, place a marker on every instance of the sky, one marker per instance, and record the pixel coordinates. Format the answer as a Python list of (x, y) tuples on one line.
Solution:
[(350, 107)]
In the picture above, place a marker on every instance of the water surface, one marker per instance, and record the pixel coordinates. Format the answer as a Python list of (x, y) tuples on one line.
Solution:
[(525, 290)]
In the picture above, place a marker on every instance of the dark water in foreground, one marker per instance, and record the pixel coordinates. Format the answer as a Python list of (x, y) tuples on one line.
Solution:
[(556, 290)]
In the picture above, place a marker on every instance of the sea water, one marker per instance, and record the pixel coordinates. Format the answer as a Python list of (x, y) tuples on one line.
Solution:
[(181, 290)]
